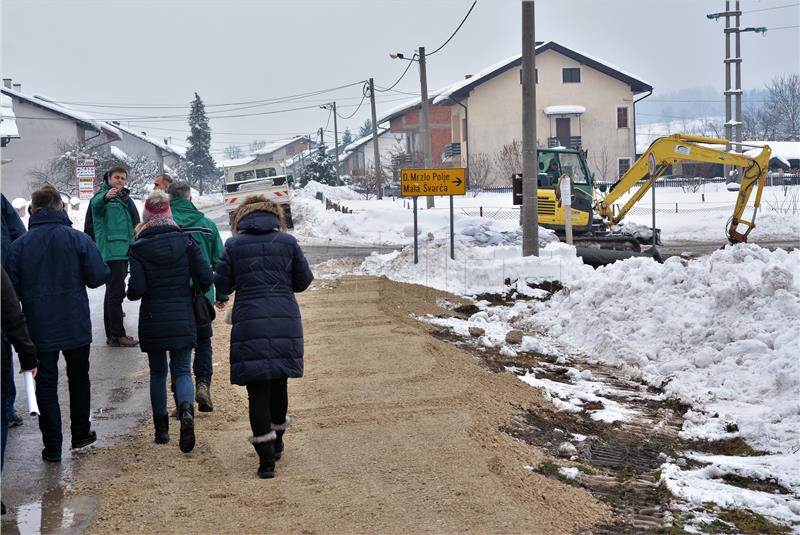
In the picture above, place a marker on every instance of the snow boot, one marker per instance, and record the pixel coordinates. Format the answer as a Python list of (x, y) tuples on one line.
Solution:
[(265, 447), (161, 424), (187, 439), (203, 397), (280, 429)]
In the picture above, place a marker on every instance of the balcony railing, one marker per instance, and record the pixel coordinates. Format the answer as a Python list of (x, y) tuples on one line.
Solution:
[(451, 151), (571, 142)]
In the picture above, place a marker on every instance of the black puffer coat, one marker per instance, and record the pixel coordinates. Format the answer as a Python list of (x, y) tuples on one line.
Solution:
[(264, 267), (162, 260)]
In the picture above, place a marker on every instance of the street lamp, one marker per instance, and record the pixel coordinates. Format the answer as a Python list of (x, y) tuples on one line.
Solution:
[(424, 129)]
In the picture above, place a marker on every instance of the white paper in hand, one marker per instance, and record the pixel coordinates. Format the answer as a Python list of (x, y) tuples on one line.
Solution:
[(30, 390)]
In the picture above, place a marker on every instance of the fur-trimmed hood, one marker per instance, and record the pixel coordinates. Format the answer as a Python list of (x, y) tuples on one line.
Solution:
[(262, 206)]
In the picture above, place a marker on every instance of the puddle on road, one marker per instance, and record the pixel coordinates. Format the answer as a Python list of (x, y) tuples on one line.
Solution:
[(56, 513)]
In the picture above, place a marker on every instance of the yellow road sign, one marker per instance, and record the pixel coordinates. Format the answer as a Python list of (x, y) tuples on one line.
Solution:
[(425, 182)]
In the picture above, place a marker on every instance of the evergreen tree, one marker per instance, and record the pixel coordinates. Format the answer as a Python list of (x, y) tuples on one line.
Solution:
[(200, 167), (347, 137), (366, 129), (321, 168)]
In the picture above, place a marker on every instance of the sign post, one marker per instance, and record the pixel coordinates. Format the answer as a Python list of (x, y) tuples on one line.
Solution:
[(85, 174), (565, 187), (429, 182)]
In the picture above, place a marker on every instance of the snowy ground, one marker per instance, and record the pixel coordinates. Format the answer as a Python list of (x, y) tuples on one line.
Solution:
[(700, 215), (719, 333)]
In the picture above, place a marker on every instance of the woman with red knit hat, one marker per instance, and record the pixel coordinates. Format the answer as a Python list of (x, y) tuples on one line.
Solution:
[(163, 263)]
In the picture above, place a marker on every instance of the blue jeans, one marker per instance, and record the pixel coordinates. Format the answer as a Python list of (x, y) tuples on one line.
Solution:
[(180, 366), (203, 369)]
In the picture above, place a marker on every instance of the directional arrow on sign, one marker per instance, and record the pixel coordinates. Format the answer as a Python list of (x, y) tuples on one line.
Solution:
[(458, 181)]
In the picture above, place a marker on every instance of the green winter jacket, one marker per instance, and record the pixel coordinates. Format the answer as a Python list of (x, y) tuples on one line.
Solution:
[(113, 228), (186, 215)]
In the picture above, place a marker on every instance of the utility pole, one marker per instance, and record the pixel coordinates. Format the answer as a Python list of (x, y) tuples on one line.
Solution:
[(530, 170), (424, 128), (336, 144), (376, 150), (332, 106), (733, 125)]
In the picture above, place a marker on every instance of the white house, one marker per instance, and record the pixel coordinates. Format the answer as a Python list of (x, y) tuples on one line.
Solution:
[(581, 102), (43, 126), (359, 156)]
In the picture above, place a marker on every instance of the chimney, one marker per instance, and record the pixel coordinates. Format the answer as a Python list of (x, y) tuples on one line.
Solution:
[(467, 76), (7, 83), (18, 88)]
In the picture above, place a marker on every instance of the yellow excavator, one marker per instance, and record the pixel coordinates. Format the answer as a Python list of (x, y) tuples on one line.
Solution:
[(593, 214)]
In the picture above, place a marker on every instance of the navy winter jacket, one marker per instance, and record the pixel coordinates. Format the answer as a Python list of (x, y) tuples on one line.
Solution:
[(51, 265), (264, 267), (162, 260), (12, 228)]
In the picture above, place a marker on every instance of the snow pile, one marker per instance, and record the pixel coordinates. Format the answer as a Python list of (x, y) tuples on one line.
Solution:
[(720, 332), (477, 270), (333, 193), (701, 485)]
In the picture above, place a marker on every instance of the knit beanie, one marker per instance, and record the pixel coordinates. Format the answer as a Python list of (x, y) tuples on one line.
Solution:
[(156, 206)]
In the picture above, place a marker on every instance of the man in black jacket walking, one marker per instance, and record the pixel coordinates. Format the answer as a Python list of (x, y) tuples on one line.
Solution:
[(51, 266)]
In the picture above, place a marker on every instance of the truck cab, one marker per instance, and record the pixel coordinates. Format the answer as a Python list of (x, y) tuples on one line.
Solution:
[(249, 178)]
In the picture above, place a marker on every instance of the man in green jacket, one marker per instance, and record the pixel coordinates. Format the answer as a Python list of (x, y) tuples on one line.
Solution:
[(187, 216), (114, 216)]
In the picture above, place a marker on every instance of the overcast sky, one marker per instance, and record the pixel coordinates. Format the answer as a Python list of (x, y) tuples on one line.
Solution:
[(159, 52)]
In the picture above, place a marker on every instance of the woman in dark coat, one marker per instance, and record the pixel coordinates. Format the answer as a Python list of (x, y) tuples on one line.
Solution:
[(163, 260), (265, 267)]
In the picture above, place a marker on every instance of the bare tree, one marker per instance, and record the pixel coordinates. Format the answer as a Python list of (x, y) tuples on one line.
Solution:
[(60, 170), (366, 184), (602, 162), (257, 144), (480, 167), (233, 151), (783, 105), (509, 160)]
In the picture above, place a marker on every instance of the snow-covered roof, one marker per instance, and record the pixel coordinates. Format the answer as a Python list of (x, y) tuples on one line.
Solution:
[(786, 150), (277, 145), (168, 147), (463, 87), (564, 109), (409, 104), (237, 162), (118, 153), (366, 139), (8, 123), (78, 116)]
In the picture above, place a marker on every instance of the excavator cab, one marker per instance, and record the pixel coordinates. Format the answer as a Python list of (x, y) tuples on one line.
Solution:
[(553, 164)]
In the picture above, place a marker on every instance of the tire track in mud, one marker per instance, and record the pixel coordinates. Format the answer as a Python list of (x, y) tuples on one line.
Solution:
[(619, 461)]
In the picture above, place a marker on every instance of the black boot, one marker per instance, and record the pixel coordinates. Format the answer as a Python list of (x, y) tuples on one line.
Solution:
[(265, 447), (186, 411), (161, 424), (280, 429), (279, 444)]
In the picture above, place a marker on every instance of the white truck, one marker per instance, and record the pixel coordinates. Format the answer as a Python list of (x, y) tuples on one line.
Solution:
[(245, 178)]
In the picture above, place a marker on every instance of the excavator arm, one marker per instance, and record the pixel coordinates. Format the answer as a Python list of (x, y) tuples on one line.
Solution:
[(680, 147)]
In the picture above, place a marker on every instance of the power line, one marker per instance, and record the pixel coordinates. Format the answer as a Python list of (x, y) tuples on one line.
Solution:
[(783, 27), (455, 32), (182, 106), (771, 8), (364, 90), (410, 62)]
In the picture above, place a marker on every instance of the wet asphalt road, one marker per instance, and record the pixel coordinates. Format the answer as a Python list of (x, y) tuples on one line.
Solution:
[(36, 492)]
